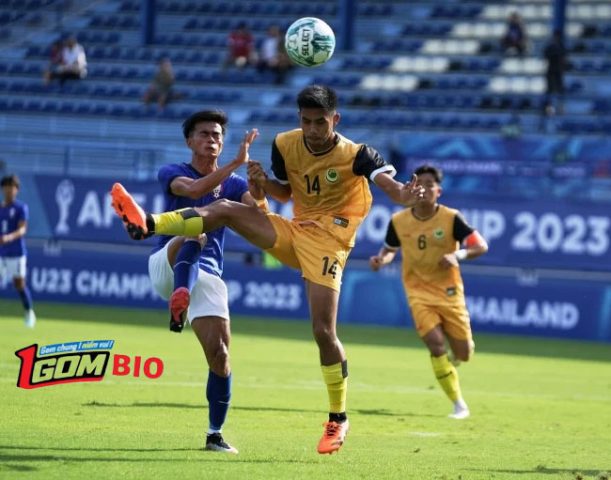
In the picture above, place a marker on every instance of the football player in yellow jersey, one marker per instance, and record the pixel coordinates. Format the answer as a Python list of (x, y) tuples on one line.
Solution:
[(327, 177), (429, 235)]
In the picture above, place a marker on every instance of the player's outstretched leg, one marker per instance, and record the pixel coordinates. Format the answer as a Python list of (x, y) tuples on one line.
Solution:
[(185, 222)]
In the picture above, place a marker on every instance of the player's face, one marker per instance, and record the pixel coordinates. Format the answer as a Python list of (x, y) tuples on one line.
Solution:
[(206, 140), (432, 190), (9, 192), (318, 127)]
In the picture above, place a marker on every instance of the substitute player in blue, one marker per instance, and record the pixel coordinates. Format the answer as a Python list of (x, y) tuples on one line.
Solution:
[(13, 254), (187, 270)]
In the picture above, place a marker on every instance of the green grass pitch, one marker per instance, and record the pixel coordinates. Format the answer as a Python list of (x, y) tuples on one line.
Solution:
[(541, 409)]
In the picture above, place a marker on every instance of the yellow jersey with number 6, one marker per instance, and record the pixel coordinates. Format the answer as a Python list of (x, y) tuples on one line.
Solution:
[(423, 244)]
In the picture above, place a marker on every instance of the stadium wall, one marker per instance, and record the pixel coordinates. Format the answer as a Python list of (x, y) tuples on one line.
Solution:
[(547, 272), (522, 232), (500, 301)]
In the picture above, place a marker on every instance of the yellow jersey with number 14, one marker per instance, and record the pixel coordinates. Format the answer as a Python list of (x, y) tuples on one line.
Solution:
[(329, 188)]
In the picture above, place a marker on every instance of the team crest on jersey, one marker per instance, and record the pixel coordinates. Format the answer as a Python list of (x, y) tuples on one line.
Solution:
[(438, 234), (332, 176), (216, 193)]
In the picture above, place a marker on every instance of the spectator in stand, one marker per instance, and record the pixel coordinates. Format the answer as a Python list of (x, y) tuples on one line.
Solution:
[(73, 64), (55, 54), (160, 89), (55, 58), (241, 47), (514, 40), (555, 54), (272, 55)]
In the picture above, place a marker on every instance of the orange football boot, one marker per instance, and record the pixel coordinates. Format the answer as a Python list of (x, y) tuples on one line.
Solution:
[(333, 436), (179, 303), (132, 215)]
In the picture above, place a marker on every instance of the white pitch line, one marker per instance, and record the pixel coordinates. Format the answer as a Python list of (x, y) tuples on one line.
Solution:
[(317, 385)]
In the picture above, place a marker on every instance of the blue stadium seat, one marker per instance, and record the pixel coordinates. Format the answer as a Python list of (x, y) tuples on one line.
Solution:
[(66, 108), (192, 24), (83, 109), (33, 105), (99, 109)]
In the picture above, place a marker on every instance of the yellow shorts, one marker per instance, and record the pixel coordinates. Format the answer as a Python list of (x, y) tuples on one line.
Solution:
[(454, 319), (307, 247)]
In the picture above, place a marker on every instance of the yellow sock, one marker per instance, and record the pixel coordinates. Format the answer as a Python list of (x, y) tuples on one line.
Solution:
[(447, 376), (336, 378), (185, 222)]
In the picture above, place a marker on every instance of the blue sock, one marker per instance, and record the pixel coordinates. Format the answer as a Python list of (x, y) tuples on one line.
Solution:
[(186, 266), (218, 393), (26, 298)]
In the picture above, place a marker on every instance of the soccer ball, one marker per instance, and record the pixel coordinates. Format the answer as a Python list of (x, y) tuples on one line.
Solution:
[(309, 42)]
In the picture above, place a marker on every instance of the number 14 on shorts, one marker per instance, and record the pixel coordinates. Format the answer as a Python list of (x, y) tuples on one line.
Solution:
[(329, 266)]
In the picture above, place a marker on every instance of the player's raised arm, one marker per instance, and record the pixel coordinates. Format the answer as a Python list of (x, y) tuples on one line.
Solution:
[(255, 196), (369, 163), (405, 194), (197, 188), (277, 189)]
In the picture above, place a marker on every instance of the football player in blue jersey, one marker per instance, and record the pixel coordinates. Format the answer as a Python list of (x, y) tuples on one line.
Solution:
[(13, 254), (187, 270)]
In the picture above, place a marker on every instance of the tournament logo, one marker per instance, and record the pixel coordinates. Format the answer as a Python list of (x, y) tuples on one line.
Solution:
[(84, 361), (438, 233), (332, 176), (64, 196)]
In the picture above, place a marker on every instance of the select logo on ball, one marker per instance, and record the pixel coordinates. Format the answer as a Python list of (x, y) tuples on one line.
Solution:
[(309, 42)]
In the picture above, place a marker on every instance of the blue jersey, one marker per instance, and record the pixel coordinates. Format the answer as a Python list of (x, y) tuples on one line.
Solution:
[(232, 188), (11, 216)]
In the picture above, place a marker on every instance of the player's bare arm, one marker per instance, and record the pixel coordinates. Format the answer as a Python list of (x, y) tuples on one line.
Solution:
[(405, 194), (474, 246), (15, 234), (278, 191), (197, 188), (251, 200), (384, 257)]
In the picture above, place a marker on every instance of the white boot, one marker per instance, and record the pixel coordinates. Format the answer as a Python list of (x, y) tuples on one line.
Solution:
[(461, 410), (30, 318)]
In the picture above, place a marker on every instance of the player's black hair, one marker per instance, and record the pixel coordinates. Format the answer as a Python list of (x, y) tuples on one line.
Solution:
[(10, 180), (436, 172), (217, 116), (317, 96)]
